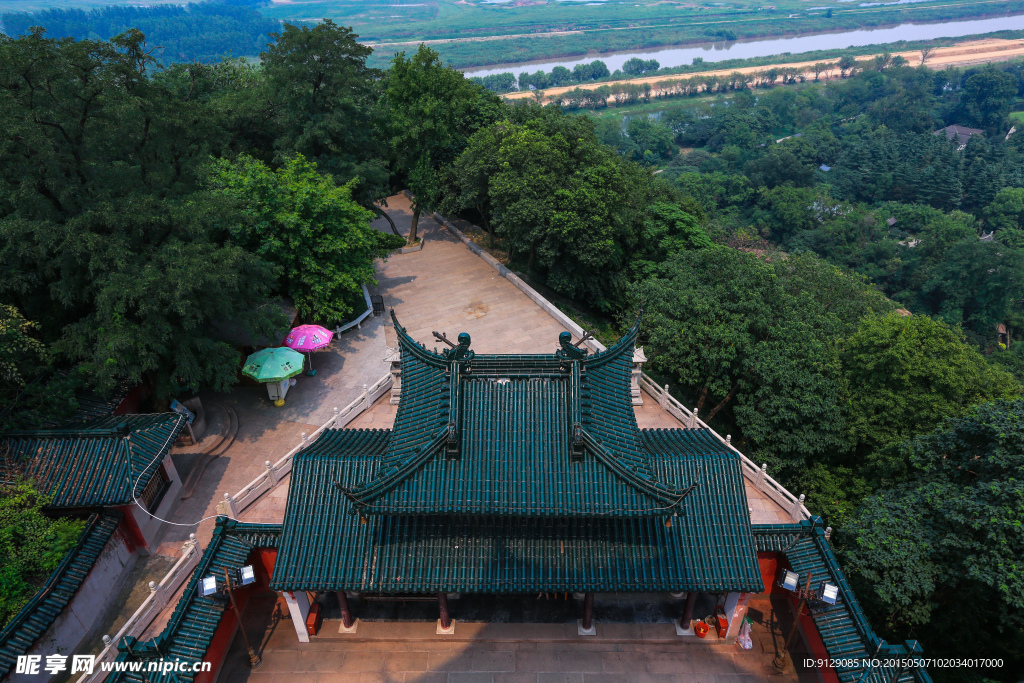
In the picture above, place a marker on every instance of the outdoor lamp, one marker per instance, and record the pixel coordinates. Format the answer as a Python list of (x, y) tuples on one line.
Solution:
[(246, 575), (208, 586), (828, 592), (789, 580)]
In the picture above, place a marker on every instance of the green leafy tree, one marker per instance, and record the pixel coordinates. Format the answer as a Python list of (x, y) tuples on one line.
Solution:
[(668, 229), (104, 239), (313, 230), (32, 544), (759, 339), (987, 98), (950, 537), (976, 284), (20, 351), (565, 204), (906, 375), (1006, 209), (429, 112), (324, 96), (653, 139), (846, 63), (31, 393)]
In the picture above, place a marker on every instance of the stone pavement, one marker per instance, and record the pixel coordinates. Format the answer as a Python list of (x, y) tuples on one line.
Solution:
[(410, 651), (448, 288), (266, 432)]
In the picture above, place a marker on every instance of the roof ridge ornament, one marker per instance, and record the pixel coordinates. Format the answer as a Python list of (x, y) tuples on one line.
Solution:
[(457, 352), (570, 350)]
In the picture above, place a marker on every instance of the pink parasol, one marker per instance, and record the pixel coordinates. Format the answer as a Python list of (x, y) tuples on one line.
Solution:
[(308, 338)]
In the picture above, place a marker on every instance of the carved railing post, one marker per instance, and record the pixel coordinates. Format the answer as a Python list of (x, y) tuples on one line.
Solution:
[(226, 507), (638, 370), (797, 512)]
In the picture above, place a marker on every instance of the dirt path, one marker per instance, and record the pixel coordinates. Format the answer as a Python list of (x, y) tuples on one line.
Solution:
[(962, 54)]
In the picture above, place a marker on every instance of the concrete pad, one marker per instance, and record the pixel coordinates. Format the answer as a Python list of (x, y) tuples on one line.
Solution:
[(580, 631)]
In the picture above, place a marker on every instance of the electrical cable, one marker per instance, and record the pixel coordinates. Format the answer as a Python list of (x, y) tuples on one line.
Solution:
[(135, 484)]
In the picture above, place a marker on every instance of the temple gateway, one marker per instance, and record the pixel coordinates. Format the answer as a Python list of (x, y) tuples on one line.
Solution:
[(513, 474)]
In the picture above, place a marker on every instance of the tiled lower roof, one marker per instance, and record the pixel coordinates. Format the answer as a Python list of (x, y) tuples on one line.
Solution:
[(324, 546), (191, 627), (28, 625), (844, 627), (95, 464)]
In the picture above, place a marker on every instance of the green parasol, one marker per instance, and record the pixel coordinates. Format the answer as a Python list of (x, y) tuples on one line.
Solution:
[(273, 365)]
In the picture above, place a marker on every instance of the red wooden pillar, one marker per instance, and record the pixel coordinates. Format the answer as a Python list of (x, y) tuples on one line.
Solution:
[(346, 612), (446, 619), (691, 602), (588, 611)]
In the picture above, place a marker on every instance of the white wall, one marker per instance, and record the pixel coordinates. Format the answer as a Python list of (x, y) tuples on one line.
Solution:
[(151, 528), (80, 617)]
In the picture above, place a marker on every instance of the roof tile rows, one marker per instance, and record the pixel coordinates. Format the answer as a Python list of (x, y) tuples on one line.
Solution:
[(105, 462), (844, 627)]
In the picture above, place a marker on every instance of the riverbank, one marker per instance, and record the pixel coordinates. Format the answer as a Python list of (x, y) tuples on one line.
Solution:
[(513, 36), (962, 54)]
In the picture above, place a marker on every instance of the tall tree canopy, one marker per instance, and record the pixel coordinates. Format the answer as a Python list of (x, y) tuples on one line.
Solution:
[(758, 338), (950, 538), (104, 240), (300, 221), (906, 375), (428, 112), (324, 95)]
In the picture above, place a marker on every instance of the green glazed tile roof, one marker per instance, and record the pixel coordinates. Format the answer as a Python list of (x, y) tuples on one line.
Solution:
[(191, 627), (97, 463), (28, 625), (844, 628), (324, 546), (513, 419)]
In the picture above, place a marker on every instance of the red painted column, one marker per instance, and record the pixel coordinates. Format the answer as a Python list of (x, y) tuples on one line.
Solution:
[(346, 612), (446, 619), (588, 611)]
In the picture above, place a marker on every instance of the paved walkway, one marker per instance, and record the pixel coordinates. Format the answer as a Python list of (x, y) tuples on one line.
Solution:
[(447, 288), (266, 432)]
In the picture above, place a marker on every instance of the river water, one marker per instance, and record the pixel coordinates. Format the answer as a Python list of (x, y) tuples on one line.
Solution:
[(716, 52)]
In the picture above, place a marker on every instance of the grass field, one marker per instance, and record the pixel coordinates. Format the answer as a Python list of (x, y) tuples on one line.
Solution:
[(481, 32), (476, 33)]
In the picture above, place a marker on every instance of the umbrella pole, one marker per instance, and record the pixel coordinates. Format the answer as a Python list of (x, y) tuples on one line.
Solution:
[(311, 372)]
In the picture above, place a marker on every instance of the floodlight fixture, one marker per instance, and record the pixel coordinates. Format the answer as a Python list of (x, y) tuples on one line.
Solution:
[(246, 575), (789, 580), (208, 586), (828, 592)]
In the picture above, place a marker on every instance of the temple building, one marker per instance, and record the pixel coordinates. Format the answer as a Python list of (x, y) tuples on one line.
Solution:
[(521, 475), (116, 474)]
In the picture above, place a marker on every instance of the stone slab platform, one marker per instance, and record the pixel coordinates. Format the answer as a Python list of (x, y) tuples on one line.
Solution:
[(497, 653)]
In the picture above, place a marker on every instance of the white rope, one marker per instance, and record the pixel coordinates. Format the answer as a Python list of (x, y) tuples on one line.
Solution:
[(134, 484)]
